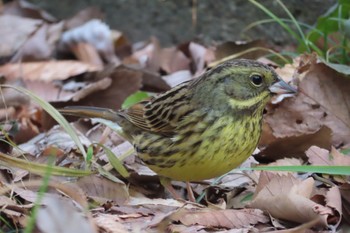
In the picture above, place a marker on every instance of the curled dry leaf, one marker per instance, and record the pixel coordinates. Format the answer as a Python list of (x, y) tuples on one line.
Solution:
[(220, 218), (287, 198), (345, 194), (333, 200)]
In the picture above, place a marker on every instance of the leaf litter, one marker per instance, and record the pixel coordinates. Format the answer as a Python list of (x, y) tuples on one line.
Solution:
[(82, 61)]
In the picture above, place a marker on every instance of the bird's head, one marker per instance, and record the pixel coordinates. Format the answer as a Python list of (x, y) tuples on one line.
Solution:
[(244, 84)]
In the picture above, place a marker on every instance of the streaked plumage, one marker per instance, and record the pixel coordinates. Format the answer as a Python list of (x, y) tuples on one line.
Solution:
[(202, 128)]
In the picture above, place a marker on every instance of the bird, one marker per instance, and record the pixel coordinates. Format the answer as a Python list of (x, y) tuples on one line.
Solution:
[(202, 128)]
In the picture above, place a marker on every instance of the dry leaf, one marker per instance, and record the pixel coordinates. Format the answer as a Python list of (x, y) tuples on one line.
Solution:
[(101, 188), (177, 77), (333, 200), (149, 55), (295, 146), (220, 218), (319, 156), (45, 71), (317, 104), (345, 194), (60, 215), (198, 54), (110, 223), (125, 81), (287, 198), (11, 40), (38, 46), (27, 10), (173, 60)]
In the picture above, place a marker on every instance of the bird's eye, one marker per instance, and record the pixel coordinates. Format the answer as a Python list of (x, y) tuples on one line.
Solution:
[(256, 80)]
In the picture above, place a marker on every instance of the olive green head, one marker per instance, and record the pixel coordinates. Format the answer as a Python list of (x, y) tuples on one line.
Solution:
[(240, 84)]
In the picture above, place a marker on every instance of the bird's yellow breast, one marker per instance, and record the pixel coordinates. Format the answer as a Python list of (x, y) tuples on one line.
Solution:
[(206, 151)]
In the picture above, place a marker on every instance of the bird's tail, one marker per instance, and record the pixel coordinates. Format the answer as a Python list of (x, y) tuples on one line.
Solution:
[(90, 112)]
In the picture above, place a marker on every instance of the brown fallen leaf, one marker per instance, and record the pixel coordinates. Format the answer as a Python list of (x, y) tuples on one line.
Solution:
[(303, 228), (149, 55), (199, 57), (14, 211), (11, 40), (102, 189), (153, 82), (294, 146), (46, 71), (345, 194), (86, 53), (333, 200), (40, 45), (124, 82), (110, 223), (323, 99), (287, 198), (173, 60), (27, 10), (319, 156), (60, 215), (177, 77), (220, 218)]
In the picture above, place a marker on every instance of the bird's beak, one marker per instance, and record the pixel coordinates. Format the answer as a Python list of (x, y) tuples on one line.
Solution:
[(281, 87)]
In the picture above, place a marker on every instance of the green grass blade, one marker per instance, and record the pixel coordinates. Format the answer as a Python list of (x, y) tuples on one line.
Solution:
[(42, 190), (115, 162), (333, 170), (39, 168), (278, 20), (265, 21), (301, 33), (54, 113), (236, 55)]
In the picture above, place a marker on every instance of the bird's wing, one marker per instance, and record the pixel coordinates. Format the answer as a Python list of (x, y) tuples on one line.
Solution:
[(161, 113)]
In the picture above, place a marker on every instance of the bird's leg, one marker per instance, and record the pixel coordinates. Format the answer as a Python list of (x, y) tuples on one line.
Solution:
[(166, 182), (190, 192)]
